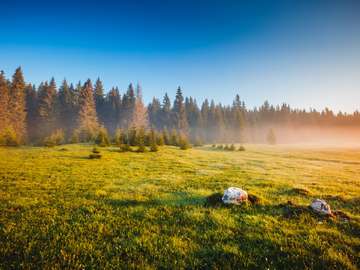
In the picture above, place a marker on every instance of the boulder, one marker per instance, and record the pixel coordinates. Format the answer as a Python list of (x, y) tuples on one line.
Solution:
[(321, 207), (234, 195)]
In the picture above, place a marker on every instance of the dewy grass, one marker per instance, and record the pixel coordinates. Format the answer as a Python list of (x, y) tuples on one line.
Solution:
[(59, 209)]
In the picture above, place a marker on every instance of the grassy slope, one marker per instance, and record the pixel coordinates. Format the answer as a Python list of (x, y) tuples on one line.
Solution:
[(59, 209)]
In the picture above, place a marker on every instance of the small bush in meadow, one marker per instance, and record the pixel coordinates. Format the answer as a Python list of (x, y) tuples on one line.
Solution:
[(226, 148), (95, 154), (213, 146), (56, 138), (241, 148), (184, 143), (9, 138), (125, 147), (102, 139), (220, 147), (232, 148)]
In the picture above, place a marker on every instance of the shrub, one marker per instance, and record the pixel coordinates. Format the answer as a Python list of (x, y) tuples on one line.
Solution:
[(56, 138), (154, 147), (9, 137), (232, 147), (95, 154), (75, 137), (166, 136), (220, 147), (160, 139), (241, 148), (125, 147), (141, 149), (184, 143), (174, 138), (119, 137), (213, 146), (102, 138), (132, 136), (226, 148)]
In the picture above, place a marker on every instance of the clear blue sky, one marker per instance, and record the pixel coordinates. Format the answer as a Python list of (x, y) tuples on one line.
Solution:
[(306, 53)]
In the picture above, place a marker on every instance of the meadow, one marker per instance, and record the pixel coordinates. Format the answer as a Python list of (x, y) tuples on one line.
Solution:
[(61, 210)]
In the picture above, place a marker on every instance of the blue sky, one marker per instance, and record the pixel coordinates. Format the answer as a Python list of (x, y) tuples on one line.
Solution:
[(306, 53)]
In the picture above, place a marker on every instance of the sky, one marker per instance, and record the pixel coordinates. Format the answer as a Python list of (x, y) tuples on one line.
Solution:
[(304, 53)]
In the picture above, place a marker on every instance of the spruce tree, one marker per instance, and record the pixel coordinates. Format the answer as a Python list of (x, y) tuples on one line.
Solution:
[(180, 119), (47, 120), (4, 103), (99, 100), (17, 107), (139, 117), (31, 107), (87, 120)]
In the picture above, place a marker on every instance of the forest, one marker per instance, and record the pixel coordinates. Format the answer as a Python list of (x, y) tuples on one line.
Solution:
[(51, 114)]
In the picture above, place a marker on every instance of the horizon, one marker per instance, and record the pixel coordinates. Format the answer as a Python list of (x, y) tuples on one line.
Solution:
[(305, 54)]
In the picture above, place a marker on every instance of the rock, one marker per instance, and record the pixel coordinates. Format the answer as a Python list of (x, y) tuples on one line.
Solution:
[(321, 207), (234, 195)]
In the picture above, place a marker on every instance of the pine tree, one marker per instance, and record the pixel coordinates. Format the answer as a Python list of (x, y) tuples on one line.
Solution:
[(139, 117), (165, 118), (99, 100), (140, 140), (17, 107), (87, 120), (180, 119), (67, 108), (31, 107), (4, 103), (47, 120)]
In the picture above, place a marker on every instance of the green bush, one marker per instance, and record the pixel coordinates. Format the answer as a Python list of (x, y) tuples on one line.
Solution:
[(184, 143), (154, 147), (56, 138), (9, 137), (119, 137), (94, 156), (232, 147), (241, 148), (102, 138), (125, 147)]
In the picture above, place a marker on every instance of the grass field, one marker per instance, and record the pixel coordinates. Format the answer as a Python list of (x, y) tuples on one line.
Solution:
[(59, 209)]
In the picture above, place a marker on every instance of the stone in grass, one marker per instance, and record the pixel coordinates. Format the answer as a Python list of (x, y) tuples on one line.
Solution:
[(321, 207), (234, 195)]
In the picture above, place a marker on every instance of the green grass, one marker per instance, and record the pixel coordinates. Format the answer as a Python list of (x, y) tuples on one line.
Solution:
[(59, 209)]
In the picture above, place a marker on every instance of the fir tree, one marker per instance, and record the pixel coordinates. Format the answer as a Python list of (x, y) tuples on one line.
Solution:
[(17, 107), (4, 103), (87, 120), (180, 119)]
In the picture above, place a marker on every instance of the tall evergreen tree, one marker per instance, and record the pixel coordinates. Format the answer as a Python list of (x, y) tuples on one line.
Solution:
[(180, 119), (4, 102), (17, 108), (47, 114), (87, 119), (99, 100), (139, 117)]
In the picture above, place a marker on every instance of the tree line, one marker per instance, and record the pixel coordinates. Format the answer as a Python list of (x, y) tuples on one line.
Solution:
[(30, 114)]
